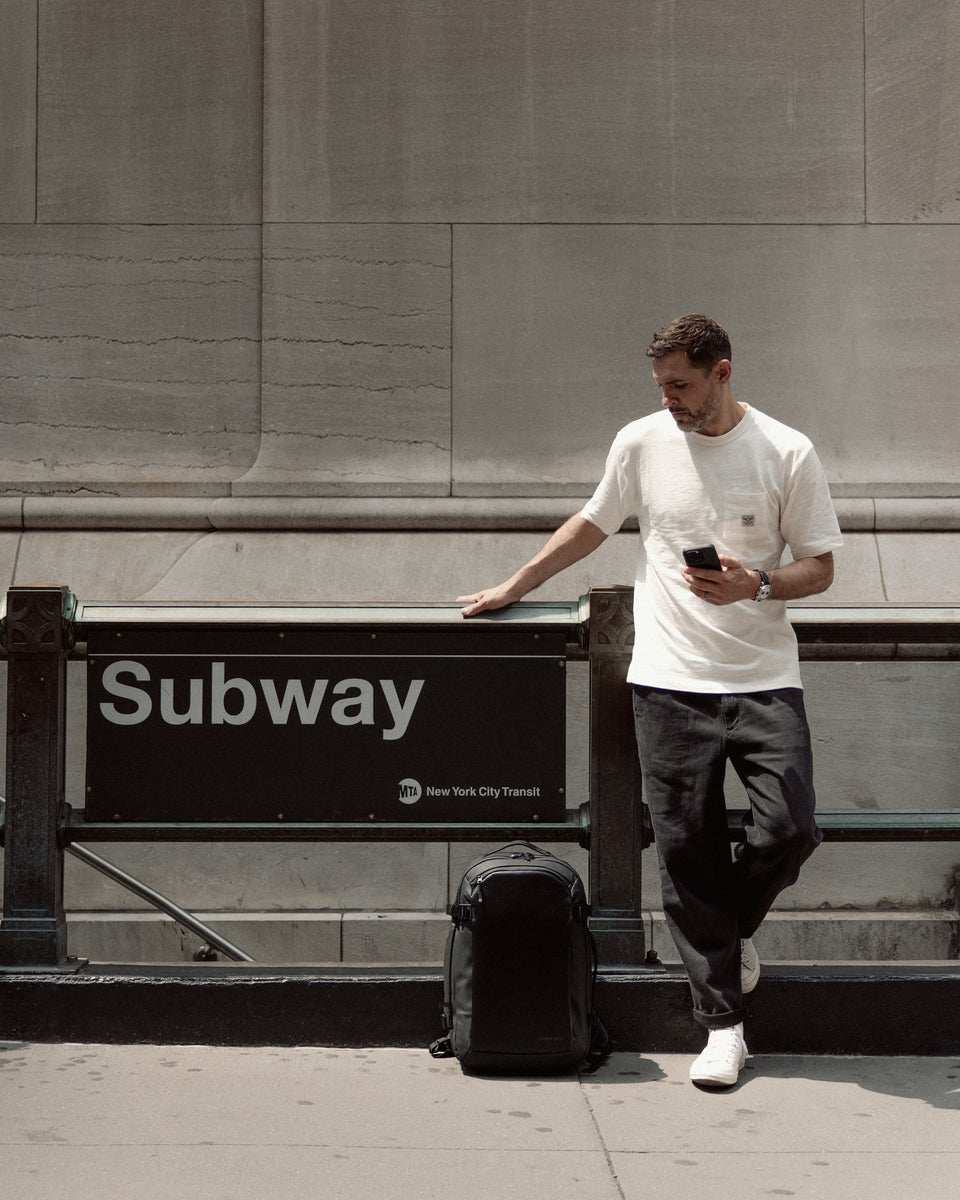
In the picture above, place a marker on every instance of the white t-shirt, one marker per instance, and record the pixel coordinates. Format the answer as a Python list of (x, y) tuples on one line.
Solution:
[(752, 492)]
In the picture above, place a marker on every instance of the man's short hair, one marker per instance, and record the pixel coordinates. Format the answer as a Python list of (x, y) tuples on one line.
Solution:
[(703, 341)]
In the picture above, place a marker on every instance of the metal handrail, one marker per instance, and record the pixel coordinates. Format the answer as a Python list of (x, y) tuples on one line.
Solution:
[(574, 828), (210, 936), (153, 897)]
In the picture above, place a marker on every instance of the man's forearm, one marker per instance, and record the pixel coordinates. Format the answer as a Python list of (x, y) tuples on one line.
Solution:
[(805, 577), (575, 539)]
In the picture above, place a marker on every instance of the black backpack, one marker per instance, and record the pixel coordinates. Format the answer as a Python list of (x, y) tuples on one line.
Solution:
[(519, 968)]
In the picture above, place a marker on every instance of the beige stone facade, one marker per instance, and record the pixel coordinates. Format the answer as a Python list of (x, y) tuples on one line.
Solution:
[(331, 300)]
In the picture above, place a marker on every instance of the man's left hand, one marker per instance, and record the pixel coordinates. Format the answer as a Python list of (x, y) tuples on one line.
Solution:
[(732, 584)]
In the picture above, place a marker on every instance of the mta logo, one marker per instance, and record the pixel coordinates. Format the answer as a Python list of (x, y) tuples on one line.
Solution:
[(410, 791)]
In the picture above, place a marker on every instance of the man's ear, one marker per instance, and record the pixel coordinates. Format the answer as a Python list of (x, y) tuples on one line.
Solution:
[(723, 370)]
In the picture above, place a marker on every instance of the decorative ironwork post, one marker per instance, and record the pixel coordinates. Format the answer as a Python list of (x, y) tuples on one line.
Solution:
[(38, 633), (616, 826)]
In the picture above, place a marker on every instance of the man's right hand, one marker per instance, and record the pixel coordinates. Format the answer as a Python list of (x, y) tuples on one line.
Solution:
[(491, 598)]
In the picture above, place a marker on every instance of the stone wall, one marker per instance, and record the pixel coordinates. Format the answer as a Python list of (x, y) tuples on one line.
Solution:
[(416, 247), (342, 300)]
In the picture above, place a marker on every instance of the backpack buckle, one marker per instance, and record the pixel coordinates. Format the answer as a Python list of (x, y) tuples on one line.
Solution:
[(461, 914)]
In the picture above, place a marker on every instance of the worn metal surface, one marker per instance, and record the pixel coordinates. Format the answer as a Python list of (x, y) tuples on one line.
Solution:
[(616, 816), (564, 615), (574, 828), (37, 635)]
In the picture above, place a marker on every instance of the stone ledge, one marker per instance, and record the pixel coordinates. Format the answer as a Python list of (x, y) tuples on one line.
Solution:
[(838, 1009), (826, 936), (268, 937), (393, 513)]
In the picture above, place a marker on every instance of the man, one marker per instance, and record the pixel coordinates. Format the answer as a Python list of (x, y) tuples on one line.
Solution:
[(715, 670)]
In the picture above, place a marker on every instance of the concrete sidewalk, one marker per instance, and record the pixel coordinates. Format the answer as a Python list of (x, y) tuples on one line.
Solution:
[(210, 1123)]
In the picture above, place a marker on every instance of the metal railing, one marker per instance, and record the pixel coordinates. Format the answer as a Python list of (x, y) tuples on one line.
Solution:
[(43, 626), (212, 941)]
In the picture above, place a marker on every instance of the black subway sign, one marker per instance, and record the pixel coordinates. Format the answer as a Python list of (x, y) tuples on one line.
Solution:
[(324, 737)]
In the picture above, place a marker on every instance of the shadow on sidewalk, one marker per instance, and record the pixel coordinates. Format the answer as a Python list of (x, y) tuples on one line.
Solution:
[(932, 1080), (935, 1081)]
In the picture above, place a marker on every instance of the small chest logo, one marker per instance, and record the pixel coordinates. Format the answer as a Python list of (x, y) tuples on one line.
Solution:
[(748, 520)]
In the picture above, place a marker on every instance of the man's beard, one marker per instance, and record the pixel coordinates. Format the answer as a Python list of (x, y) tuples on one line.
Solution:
[(703, 418)]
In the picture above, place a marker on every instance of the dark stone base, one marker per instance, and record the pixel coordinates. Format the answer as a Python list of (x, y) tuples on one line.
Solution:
[(836, 1009)]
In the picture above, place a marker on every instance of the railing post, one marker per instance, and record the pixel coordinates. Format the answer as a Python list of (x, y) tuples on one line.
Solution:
[(615, 820), (38, 634)]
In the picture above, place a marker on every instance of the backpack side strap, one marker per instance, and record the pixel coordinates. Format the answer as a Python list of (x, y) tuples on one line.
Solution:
[(441, 1048)]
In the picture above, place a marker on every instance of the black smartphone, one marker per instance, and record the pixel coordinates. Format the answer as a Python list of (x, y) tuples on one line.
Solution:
[(704, 557)]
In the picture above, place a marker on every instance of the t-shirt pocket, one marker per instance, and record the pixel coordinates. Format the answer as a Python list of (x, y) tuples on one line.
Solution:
[(751, 528)]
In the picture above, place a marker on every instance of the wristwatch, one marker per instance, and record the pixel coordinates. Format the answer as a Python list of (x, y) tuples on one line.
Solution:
[(764, 591)]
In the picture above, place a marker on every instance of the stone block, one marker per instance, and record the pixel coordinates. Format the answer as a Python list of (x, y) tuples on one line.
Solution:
[(18, 103), (858, 577), (347, 567), (907, 935), (104, 565), (340, 565), (881, 875), (548, 364), (920, 568), (912, 96), (136, 937), (394, 937), (914, 515), (559, 112), (150, 112), (840, 936), (129, 938), (884, 733), (130, 354), (9, 543), (139, 514), (906, 311), (897, 567), (280, 937), (267, 876), (356, 360), (856, 513), (551, 323)]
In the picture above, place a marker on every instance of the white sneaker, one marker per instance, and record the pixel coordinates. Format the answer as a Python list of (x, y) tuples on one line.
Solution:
[(749, 965), (721, 1062)]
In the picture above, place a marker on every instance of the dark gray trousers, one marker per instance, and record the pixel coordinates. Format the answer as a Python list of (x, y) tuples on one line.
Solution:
[(712, 898)]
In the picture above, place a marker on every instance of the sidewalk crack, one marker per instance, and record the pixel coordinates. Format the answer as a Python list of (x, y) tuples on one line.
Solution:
[(603, 1144)]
